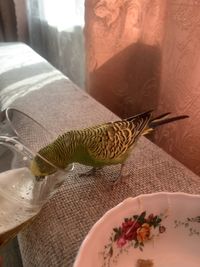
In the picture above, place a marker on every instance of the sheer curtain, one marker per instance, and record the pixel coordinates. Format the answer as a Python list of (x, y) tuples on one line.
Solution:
[(56, 32)]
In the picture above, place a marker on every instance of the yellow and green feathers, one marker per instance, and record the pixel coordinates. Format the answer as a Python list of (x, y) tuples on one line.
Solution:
[(98, 146)]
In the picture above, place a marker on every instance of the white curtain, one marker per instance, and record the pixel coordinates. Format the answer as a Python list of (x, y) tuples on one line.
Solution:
[(56, 32)]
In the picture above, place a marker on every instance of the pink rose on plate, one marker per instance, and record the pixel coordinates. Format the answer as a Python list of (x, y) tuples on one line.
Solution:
[(121, 242)]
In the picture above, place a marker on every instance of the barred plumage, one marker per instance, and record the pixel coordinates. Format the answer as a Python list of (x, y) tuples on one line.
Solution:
[(105, 144)]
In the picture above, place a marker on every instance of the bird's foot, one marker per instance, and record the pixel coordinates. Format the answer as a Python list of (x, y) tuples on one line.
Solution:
[(122, 178), (91, 172)]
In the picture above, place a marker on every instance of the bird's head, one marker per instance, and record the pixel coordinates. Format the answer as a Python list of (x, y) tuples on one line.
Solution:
[(43, 164), (41, 167), (51, 158)]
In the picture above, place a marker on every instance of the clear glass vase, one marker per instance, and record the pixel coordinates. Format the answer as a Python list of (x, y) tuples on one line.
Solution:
[(21, 194)]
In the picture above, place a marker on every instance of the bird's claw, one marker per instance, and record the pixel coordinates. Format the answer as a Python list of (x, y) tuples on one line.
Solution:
[(121, 179)]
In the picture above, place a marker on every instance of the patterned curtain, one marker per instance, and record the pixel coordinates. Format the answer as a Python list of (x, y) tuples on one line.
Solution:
[(144, 54), (123, 44)]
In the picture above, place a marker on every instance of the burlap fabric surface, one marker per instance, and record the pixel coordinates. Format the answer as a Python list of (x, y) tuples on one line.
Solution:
[(56, 235)]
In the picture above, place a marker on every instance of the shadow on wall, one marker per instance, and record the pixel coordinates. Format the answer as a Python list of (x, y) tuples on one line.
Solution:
[(129, 82)]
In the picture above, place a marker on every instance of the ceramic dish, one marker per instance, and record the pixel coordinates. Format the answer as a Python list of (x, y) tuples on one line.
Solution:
[(154, 230)]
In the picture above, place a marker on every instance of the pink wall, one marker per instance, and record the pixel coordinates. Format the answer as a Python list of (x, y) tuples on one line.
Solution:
[(144, 54)]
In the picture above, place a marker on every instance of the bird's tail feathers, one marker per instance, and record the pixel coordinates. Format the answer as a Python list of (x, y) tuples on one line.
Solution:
[(163, 119), (146, 114), (152, 123)]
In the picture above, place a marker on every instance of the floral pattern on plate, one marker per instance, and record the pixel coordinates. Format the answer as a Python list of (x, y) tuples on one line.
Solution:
[(133, 232), (189, 224)]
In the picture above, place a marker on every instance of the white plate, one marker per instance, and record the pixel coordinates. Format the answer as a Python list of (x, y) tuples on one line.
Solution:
[(162, 229)]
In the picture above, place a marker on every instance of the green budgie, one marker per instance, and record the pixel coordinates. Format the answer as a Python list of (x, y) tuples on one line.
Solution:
[(98, 146)]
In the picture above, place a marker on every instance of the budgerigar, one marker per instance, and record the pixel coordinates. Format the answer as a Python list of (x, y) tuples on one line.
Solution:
[(106, 144)]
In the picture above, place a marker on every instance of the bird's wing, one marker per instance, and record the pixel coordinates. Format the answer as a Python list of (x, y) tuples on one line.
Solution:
[(113, 140)]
